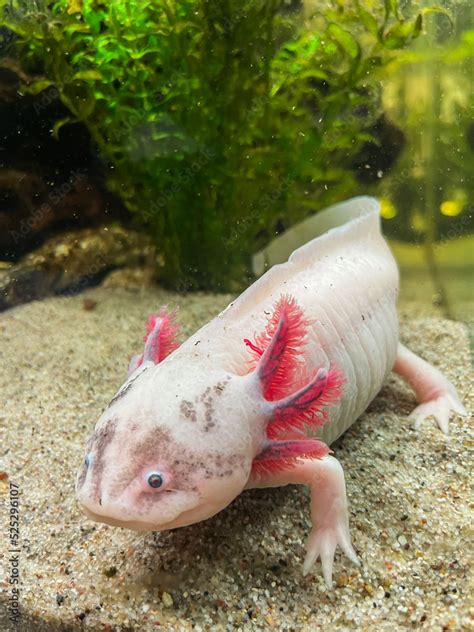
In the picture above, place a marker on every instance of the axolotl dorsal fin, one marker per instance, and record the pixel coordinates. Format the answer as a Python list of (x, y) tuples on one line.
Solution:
[(160, 339), (293, 397)]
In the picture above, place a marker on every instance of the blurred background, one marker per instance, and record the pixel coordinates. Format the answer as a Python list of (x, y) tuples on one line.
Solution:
[(427, 199)]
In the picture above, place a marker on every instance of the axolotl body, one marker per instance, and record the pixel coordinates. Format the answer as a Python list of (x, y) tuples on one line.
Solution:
[(255, 397)]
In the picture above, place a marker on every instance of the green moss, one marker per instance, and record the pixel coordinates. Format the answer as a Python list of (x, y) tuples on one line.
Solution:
[(213, 116)]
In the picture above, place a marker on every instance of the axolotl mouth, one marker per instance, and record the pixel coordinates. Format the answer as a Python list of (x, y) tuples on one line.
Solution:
[(183, 519), (174, 509)]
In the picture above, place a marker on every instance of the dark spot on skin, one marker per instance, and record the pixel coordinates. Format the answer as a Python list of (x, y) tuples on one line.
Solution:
[(101, 438), (205, 394), (363, 317), (160, 446), (126, 388), (235, 460), (84, 469), (219, 388), (196, 343), (154, 447), (121, 393), (188, 411), (82, 476)]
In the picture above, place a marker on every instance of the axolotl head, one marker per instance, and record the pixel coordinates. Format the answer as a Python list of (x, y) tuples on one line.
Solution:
[(166, 453)]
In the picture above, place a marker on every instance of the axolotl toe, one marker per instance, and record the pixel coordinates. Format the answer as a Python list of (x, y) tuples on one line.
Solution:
[(255, 397)]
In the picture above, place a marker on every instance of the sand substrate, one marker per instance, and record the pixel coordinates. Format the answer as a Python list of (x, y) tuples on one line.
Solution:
[(408, 495)]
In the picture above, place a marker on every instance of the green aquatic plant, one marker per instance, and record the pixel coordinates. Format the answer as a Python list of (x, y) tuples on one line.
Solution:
[(218, 121)]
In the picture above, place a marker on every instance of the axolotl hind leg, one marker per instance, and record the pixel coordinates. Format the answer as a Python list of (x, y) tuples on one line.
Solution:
[(435, 393), (329, 514)]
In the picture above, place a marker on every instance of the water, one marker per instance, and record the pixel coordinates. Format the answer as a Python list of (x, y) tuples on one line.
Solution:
[(167, 153), (216, 137)]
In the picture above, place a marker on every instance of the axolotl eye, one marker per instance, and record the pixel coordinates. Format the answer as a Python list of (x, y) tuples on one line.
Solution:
[(155, 479), (88, 460)]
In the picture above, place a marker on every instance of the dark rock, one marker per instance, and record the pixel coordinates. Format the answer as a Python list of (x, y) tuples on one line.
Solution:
[(30, 206), (71, 262)]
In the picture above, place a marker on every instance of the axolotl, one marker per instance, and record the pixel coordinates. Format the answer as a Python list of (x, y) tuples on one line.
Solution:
[(255, 397)]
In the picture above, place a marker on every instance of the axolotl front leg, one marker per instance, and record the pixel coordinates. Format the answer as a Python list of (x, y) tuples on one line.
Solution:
[(329, 513), (324, 475), (288, 456)]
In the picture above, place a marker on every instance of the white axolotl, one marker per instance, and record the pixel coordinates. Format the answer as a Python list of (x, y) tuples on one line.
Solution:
[(299, 355)]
